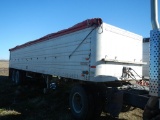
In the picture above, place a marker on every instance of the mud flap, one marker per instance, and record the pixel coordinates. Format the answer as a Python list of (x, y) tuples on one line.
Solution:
[(115, 102)]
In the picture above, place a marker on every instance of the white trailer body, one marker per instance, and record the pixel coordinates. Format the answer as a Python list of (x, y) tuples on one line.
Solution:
[(146, 52), (89, 51)]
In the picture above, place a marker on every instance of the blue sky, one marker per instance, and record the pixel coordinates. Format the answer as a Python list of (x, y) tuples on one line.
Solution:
[(25, 20)]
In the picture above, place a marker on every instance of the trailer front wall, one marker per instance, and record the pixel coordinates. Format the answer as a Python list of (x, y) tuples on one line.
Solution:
[(115, 44)]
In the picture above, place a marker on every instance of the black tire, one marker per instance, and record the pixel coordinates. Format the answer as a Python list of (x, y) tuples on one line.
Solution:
[(81, 103)]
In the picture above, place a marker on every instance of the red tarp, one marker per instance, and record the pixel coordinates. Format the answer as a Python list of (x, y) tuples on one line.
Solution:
[(82, 25)]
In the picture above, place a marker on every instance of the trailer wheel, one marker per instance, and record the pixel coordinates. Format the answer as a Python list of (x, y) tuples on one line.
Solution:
[(17, 77), (13, 75), (80, 103)]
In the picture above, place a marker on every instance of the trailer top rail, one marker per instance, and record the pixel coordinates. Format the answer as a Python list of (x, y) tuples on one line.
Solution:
[(79, 26)]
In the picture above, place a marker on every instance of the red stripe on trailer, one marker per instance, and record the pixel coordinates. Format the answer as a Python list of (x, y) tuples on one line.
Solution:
[(93, 66), (77, 27)]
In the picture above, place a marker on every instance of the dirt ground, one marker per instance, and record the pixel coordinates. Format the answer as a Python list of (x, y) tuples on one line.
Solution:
[(32, 104)]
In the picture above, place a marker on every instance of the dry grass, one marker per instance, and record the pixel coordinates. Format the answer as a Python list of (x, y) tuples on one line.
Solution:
[(31, 104), (134, 114), (4, 112), (4, 64)]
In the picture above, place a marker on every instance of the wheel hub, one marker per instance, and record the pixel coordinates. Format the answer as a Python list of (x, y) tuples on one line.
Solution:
[(77, 102)]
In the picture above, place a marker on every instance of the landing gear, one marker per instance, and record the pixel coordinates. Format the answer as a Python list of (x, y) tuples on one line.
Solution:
[(13, 75), (16, 77)]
